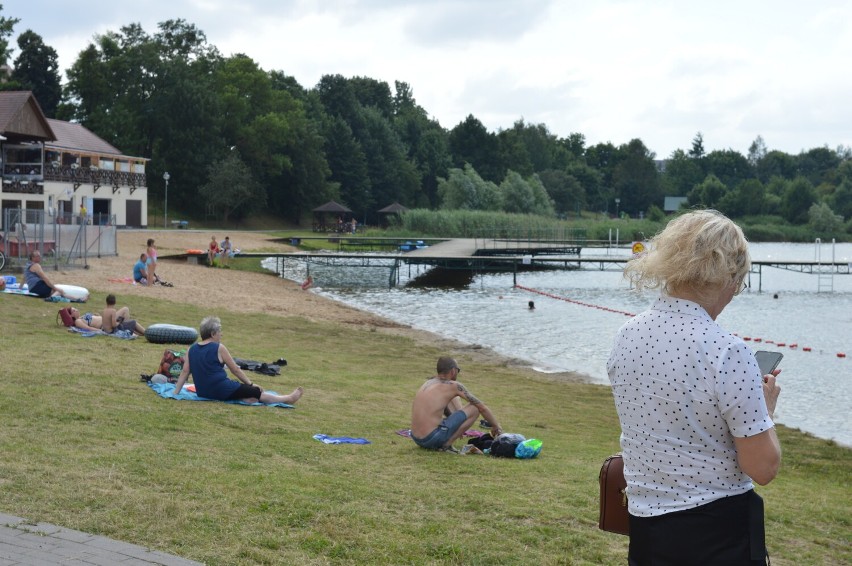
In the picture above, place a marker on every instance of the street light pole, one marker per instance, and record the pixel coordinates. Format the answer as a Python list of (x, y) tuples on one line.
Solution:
[(166, 177)]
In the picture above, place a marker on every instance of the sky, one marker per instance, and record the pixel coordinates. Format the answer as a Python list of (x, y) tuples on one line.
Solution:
[(612, 70)]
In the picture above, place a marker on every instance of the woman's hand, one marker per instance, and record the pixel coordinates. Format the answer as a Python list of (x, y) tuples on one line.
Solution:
[(771, 390)]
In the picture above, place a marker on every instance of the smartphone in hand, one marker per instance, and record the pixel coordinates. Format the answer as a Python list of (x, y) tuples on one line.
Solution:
[(767, 361)]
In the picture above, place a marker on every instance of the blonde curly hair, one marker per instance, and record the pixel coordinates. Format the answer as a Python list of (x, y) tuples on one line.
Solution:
[(702, 250)]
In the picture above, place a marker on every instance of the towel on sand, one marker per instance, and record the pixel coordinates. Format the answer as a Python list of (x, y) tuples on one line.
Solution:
[(340, 439), (167, 391)]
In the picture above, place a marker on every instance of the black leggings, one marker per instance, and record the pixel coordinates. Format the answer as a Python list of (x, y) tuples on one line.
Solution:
[(725, 532)]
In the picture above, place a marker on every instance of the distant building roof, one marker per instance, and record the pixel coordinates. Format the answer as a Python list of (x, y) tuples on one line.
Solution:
[(332, 206), (77, 137), (21, 117), (673, 204), (394, 208)]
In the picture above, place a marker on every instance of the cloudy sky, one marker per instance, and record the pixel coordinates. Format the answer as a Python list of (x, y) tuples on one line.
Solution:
[(612, 70)]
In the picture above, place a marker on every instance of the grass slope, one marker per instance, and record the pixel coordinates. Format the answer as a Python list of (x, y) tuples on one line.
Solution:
[(87, 446)]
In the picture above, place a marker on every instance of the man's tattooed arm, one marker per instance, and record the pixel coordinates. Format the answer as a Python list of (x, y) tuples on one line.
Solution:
[(471, 398)]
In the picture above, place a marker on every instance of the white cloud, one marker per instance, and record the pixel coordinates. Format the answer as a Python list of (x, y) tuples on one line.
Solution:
[(612, 70)]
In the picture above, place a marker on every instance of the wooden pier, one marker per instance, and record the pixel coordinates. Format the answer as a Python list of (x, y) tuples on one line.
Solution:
[(506, 255)]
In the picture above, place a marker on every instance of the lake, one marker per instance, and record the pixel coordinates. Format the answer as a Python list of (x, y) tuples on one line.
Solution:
[(578, 313)]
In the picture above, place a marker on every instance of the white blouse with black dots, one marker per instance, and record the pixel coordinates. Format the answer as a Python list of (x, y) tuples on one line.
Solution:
[(683, 389)]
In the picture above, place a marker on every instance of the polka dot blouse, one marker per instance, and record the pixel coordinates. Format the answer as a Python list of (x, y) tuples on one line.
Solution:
[(683, 389)]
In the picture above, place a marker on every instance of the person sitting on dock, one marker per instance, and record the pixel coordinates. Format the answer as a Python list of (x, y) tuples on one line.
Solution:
[(212, 251), (442, 395), (226, 252)]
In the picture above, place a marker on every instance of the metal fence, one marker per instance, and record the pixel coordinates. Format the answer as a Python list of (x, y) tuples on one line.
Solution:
[(64, 240)]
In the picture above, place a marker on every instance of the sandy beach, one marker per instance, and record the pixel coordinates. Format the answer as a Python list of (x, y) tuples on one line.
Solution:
[(244, 291)]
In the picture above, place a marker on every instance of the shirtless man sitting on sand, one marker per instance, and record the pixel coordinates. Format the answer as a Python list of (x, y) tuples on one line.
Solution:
[(439, 396)]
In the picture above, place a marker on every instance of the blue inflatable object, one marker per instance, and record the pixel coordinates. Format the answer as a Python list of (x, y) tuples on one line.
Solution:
[(528, 448)]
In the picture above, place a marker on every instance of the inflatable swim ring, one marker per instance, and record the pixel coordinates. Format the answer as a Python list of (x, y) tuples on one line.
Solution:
[(170, 334), (74, 292)]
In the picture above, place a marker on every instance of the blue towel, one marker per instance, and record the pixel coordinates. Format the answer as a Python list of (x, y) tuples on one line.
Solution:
[(58, 299), (340, 439), (123, 334), (166, 391)]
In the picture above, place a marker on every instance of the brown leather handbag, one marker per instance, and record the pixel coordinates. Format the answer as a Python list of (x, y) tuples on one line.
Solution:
[(614, 517)]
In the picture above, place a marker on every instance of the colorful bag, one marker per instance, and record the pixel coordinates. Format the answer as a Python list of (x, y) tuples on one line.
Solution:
[(172, 363)]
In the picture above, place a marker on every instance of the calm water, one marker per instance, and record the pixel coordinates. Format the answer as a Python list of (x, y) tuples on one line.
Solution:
[(562, 335)]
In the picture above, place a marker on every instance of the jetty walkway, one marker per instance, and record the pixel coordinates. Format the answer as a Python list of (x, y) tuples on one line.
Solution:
[(506, 255)]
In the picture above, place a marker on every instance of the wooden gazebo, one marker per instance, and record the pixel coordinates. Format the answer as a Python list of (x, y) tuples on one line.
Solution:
[(332, 217), (390, 209)]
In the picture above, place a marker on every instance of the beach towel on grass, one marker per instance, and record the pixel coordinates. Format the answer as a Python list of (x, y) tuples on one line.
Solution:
[(324, 438), (123, 334), (167, 391), (58, 299), (18, 291)]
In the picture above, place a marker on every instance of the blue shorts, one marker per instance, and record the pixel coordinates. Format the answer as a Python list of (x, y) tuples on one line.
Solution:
[(439, 437)]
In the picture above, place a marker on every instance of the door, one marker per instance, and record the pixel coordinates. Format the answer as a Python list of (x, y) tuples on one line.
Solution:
[(133, 214)]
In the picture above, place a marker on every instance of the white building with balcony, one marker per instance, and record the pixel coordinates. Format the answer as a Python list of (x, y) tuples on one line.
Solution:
[(56, 166)]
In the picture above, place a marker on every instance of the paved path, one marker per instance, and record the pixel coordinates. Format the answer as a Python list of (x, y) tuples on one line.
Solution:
[(42, 544)]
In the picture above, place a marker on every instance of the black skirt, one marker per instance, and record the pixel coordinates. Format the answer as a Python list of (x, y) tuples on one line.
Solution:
[(725, 532)]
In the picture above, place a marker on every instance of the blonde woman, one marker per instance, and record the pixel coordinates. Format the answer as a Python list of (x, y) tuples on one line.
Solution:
[(695, 412)]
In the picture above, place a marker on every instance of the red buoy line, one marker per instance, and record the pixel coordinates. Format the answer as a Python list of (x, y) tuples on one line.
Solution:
[(567, 300), (792, 345)]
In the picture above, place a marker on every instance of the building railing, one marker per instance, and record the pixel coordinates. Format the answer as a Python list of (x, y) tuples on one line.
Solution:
[(25, 186), (96, 177), (29, 180)]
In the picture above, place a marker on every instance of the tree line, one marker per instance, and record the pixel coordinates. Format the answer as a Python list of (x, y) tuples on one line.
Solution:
[(243, 139)]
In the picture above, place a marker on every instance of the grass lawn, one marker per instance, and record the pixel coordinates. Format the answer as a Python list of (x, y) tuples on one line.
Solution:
[(87, 446)]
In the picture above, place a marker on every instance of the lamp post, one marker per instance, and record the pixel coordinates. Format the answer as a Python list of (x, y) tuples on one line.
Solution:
[(617, 202), (166, 177)]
